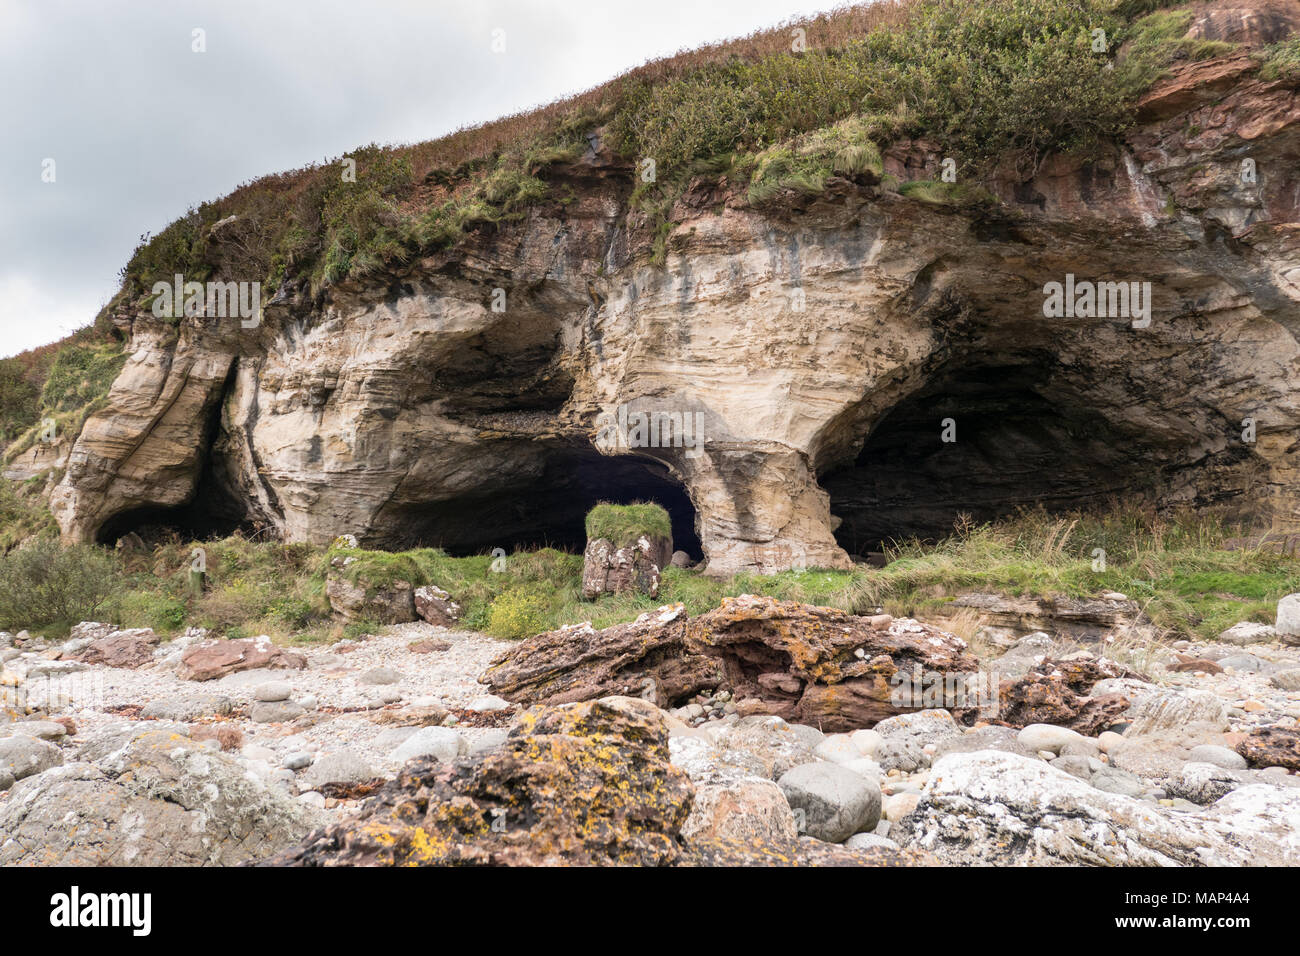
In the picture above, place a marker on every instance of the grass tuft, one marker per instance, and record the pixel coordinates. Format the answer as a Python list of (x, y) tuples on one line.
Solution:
[(624, 524)]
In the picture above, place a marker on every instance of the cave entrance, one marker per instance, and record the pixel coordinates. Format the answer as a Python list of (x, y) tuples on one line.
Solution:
[(155, 525), (1023, 437), (551, 509)]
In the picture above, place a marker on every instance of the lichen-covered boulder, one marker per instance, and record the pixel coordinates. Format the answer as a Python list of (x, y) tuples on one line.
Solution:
[(585, 784), (434, 605)]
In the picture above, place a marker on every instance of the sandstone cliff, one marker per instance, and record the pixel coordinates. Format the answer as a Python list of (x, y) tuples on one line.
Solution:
[(819, 341)]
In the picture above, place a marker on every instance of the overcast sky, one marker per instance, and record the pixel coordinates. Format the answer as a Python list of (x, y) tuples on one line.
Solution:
[(140, 127)]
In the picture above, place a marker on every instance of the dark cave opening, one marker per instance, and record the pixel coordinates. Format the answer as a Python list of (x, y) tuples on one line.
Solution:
[(196, 521), (213, 511), (550, 509), (1022, 439)]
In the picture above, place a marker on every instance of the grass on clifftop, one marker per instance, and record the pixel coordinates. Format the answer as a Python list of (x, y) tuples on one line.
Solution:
[(987, 80), (65, 380), (622, 525)]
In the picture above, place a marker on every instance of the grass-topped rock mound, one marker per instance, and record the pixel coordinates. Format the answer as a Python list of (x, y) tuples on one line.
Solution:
[(628, 546), (374, 586)]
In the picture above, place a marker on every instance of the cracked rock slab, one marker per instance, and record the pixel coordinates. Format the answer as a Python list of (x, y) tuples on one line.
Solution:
[(1002, 809)]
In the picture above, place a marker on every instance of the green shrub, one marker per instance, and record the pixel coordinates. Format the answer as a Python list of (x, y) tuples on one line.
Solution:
[(1282, 59), (43, 584), (22, 514), (164, 612), (623, 524), (518, 613)]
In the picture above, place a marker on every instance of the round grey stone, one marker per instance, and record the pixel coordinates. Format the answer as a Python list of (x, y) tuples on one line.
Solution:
[(338, 767), (278, 712), (1218, 756), (297, 761), (901, 753), (273, 691), (833, 801), (442, 743)]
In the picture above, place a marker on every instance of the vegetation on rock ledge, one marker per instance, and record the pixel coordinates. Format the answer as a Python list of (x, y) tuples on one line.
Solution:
[(987, 80)]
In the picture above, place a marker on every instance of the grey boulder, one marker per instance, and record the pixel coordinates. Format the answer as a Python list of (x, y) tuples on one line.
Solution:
[(832, 802)]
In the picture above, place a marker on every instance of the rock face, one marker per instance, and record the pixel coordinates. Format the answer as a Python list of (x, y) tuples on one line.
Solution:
[(808, 664), (160, 800), (648, 657), (607, 569), (1002, 809), (1082, 619), (402, 408), (825, 667), (1058, 692)]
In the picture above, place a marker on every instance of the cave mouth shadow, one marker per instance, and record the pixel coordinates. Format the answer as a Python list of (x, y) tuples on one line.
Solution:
[(153, 524), (550, 510), (1019, 443)]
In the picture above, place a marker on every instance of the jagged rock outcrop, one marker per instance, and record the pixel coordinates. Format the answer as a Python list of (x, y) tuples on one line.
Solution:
[(818, 341), (809, 664), (1059, 692), (609, 569), (1272, 747), (649, 657), (828, 668)]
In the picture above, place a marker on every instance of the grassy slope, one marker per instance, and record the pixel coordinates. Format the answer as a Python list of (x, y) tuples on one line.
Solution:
[(986, 78), (1179, 569)]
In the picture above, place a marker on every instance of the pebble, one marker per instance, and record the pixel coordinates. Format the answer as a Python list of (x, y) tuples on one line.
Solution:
[(866, 741), (272, 691), (381, 675), (1048, 737), (275, 713), (488, 703), (1219, 756), (297, 761), (439, 742)]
